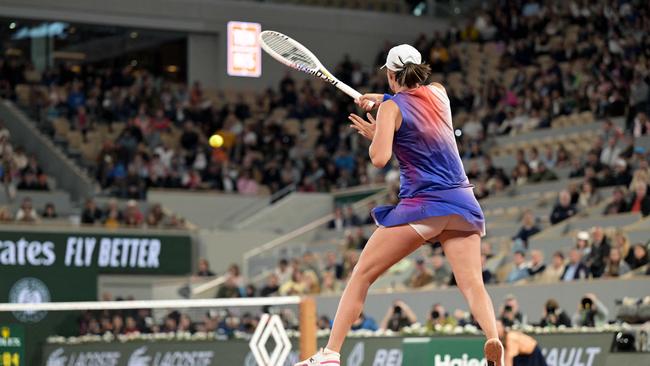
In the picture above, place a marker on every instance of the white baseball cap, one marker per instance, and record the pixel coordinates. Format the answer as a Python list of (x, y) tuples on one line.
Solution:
[(400, 55)]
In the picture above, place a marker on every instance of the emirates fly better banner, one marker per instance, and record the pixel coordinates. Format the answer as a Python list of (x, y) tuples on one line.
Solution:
[(39, 266), (106, 252)]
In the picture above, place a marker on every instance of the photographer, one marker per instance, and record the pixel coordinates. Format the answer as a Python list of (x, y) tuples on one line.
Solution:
[(553, 316), (591, 312), (439, 316), (510, 314), (397, 317)]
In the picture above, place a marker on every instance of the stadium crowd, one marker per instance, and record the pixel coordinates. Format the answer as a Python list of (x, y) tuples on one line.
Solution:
[(228, 323), (18, 169), (605, 72)]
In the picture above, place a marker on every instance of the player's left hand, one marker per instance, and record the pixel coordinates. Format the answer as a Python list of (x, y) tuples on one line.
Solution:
[(363, 127)]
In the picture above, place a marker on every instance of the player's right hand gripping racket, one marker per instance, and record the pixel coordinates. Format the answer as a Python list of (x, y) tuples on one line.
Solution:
[(293, 54)]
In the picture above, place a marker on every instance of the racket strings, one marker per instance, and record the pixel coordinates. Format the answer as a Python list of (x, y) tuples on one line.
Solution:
[(289, 51)]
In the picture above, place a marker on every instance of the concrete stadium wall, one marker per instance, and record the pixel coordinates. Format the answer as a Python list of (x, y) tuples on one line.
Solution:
[(207, 210), (290, 213), (531, 297), (330, 33), (223, 247)]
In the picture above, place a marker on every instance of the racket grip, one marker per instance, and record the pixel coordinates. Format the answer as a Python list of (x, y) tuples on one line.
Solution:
[(352, 93)]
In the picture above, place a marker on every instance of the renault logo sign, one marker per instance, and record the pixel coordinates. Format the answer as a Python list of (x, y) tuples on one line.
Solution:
[(270, 326)]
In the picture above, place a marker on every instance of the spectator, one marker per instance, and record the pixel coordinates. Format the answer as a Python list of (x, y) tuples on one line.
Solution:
[(333, 265), (542, 174), (520, 268), (421, 275), (617, 205), (591, 312), (554, 271), (441, 272), (204, 268), (283, 271), (5, 214), (271, 287), (112, 220), (621, 173), (364, 322), (640, 201), (27, 213), (235, 274), (350, 217), (616, 266), (537, 265), (589, 196), (311, 283), (132, 215), (91, 213), (398, 316), (246, 184), (49, 212), (510, 314), (583, 243), (131, 327), (638, 256), (529, 227), (595, 260), (575, 269), (563, 209), (324, 322), (330, 285), (229, 289), (295, 286), (554, 316), (155, 215), (611, 152), (487, 275), (641, 125), (338, 222), (621, 242), (439, 317)]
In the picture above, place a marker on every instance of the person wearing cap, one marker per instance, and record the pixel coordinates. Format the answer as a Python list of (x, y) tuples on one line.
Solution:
[(437, 201)]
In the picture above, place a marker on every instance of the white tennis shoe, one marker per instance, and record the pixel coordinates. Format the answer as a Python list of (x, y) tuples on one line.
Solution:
[(323, 357)]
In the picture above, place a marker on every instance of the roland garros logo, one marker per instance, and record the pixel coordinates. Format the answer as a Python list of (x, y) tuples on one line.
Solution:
[(29, 290)]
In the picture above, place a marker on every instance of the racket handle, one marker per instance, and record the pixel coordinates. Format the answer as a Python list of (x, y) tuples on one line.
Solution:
[(351, 92)]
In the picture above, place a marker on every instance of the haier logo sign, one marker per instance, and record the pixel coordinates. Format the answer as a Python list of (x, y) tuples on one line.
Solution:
[(462, 361)]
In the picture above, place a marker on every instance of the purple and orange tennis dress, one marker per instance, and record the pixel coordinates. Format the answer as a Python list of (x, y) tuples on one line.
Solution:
[(432, 178)]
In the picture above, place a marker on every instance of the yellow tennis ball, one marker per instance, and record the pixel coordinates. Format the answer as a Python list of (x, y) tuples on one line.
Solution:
[(216, 141)]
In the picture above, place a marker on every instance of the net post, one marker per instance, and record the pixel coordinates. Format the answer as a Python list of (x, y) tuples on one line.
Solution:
[(308, 329)]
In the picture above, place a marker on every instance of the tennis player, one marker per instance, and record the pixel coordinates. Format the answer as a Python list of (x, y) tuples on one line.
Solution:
[(520, 349), (436, 198)]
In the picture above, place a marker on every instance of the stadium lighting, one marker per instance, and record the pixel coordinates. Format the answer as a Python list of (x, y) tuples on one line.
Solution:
[(12, 25)]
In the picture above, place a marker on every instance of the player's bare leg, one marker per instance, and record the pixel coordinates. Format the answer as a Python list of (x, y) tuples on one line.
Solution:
[(463, 251)]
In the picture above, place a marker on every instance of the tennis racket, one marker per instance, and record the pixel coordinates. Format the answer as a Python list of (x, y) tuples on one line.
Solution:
[(293, 54)]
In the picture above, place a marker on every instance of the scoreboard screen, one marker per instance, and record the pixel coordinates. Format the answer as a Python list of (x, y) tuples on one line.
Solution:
[(244, 52)]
